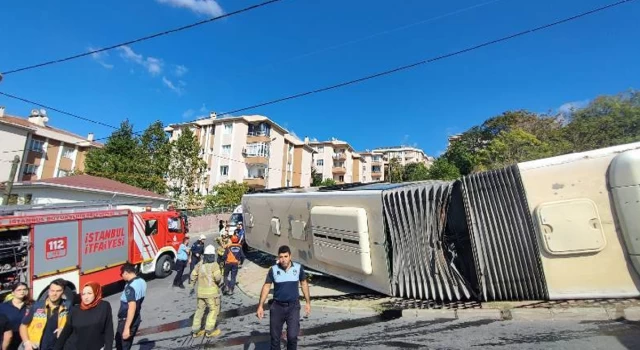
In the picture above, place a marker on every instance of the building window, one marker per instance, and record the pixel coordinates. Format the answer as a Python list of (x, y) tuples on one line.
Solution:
[(320, 149), (224, 170), (63, 173), (30, 169), (228, 128), (28, 198), (341, 178), (36, 146), (320, 162), (67, 152), (226, 150), (364, 168), (151, 227), (13, 199), (257, 150), (260, 129)]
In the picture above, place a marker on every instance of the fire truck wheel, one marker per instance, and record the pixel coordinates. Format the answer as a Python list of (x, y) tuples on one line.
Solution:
[(164, 266)]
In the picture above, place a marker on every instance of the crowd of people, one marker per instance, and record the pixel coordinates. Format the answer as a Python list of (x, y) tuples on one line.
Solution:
[(55, 323)]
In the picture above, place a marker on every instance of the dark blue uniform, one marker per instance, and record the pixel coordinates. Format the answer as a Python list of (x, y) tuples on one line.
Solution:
[(286, 303), (232, 256), (134, 290)]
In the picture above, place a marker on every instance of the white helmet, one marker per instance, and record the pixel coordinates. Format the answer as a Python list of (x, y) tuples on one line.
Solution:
[(210, 250), (203, 237)]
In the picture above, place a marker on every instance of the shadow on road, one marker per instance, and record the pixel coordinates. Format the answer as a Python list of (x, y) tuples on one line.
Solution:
[(261, 340)]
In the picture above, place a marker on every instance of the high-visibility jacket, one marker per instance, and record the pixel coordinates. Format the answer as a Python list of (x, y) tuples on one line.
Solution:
[(233, 254), (208, 276), (39, 309)]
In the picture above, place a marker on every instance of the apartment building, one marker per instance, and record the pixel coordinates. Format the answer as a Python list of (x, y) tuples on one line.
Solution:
[(336, 159), (251, 149), (404, 154), (372, 167), (45, 152)]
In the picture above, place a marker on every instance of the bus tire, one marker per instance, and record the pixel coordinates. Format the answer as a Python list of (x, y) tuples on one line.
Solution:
[(164, 266)]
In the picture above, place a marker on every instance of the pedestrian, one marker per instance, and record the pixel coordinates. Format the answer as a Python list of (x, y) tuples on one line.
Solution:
[(223, 241), (181, 263), (232, 256), (240, 232), (285, 306), (207, 274), (196, 251), (131, 300), (220, 225), (44, 320), (242, 242), (5, 332), (90, 325), (15, 309)]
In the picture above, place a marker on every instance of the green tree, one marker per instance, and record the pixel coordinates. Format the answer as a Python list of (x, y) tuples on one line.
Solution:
[(415, 172), (606, 121), (328, 182), (155, 152), (119, 159), (511, 147), (395, 171), (226, 194), (442, 169), (316, 177), (186, 169)]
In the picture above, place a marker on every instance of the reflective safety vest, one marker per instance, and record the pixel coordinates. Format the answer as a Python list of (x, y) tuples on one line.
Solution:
[(208, 276), (232, 250)]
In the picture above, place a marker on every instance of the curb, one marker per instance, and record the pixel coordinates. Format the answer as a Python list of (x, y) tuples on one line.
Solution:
[(557, 314)]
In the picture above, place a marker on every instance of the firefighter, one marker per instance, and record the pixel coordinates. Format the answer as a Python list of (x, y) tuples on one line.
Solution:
[(207, 274), (223, 241), (232, 256)]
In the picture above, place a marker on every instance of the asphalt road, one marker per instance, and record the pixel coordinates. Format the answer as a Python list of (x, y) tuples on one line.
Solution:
[(167, 315)]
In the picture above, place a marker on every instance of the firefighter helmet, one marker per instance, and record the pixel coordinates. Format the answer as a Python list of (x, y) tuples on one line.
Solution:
[(210, 250)]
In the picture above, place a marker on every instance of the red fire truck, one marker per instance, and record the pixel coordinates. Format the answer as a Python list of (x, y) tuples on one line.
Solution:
[(85, 244)]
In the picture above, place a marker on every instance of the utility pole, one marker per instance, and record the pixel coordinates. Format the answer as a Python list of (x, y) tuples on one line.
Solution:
[(12, 175)]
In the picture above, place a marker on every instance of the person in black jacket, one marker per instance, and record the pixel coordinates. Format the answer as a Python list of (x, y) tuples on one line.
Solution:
[(196, 251), (90, 325)]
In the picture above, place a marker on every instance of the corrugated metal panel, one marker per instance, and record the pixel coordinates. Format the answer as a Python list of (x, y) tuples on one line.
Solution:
[(503, 238), (416, 217)]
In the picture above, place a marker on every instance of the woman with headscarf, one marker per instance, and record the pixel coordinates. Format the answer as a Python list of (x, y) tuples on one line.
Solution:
[(90, 324), (15, 308)]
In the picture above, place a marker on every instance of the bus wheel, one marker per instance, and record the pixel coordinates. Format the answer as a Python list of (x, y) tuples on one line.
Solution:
[(164, 266)]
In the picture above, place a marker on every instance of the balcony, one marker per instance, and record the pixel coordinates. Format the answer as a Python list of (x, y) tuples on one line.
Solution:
[(251, 159), (255, 182), (259, 132), (340, 156), (258, 136), (376, 162), (339, 170)]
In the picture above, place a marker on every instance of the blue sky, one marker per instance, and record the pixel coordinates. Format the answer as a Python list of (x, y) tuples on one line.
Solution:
[(298, 45)]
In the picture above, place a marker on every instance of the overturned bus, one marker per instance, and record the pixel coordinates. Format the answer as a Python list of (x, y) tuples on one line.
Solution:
[(566, 227)]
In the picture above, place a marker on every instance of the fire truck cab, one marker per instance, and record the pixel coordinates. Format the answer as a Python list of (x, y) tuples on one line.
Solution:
[(82, 244)]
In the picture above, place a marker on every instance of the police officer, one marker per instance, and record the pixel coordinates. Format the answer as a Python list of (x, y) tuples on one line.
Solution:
[(196, 251), (233, 255), (207, 273), (131, 300), (285, 308)]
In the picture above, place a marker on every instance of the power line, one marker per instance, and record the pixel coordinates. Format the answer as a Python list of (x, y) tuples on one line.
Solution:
[(144, 38), (372, 76), (430, 60)]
